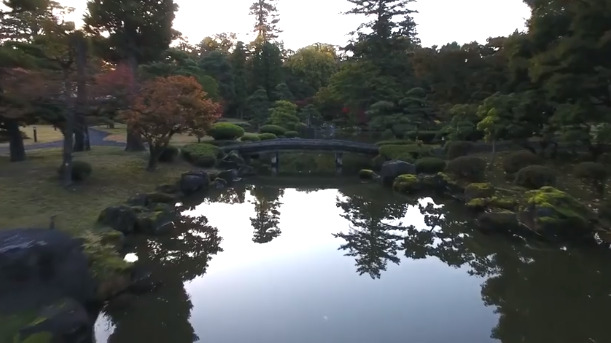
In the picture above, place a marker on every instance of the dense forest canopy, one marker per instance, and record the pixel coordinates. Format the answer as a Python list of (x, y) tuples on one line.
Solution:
[(553, 80)]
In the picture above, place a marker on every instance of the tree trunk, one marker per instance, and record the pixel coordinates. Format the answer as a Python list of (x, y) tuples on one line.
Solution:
[(154, 153), (133, 141), (16, 147), (490, 166), (81, 135), (68, 133)]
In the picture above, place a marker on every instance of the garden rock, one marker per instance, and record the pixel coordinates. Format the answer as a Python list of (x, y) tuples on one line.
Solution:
[(230, 176), (497, 221), (39, 266), (65, 320), (155, 222), (193, 182), (391, 169), (121, 218)]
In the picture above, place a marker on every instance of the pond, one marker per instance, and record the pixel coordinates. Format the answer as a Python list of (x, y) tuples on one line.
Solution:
[(290, 262)]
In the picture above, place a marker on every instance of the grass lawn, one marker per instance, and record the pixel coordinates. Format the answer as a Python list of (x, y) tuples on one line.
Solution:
[(117, 134), (31, 192), (44, 133)]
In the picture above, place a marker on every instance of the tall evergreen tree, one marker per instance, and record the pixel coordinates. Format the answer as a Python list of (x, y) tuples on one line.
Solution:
[(238, 64), (266, 22)]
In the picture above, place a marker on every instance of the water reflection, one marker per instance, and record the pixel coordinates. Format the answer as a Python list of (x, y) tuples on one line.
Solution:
[(267, 216), (173, 260), (440, 278)]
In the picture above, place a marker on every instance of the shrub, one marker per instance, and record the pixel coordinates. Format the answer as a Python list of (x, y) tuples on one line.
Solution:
[(469, 168), (291, 134), (275, 129), (593, 173), (366, 174), (427, 137), (250, 137), (535, 177), (81, 170), (267, 136), (430, 165), (518, 160), (225, 131), (168, 154), (201, 154), (406, 153), (456, 149)]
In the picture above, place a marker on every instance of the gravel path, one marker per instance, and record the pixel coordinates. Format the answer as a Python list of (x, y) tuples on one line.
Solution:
[(96, 138)]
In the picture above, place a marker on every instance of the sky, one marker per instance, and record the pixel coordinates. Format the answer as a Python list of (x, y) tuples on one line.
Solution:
[(305, 22)]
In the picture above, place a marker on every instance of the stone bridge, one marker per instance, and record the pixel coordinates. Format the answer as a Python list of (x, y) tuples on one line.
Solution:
[(300, 144)]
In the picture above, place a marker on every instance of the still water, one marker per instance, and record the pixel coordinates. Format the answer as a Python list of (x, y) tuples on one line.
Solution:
[(355, 264)]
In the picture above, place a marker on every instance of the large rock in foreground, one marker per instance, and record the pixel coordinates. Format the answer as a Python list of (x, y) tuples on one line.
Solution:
[(193, 182), (391, 169), (39, 266)]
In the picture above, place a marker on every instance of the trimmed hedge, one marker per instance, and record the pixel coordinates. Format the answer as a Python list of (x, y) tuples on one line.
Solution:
[(535, 177), (515, 161), (430, 165), (456, 149), (267, 136), (226, 131), (275, 129), (291, 134), (407, 153), (250, 137), (81, 170), (201, 154), (469, 168)]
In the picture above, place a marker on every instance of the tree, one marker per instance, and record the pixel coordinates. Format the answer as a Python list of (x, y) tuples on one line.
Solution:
[(284, 113), (266, 68), (238, 65), (220, 42), (217, 65), (166, 106), (137, 32), (257, 107), (266, 20), (267, 217), (314, 65)]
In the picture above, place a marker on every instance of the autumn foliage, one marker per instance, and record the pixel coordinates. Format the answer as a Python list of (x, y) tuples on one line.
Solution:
[(165, 106)]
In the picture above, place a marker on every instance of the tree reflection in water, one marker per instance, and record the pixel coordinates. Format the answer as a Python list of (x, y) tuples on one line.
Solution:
[(370, 241), (542, 292), (172, 260), (267, 216)]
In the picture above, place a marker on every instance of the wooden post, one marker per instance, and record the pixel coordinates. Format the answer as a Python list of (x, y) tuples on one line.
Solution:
[(338, 163)]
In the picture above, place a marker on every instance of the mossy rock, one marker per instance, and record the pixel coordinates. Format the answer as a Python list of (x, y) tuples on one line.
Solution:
[(406, 183), (159, 197), (155, 222), (105, 262), (478, 190), (501, 221), (367, 174), (554, 213), (110, 236), (494, 202)]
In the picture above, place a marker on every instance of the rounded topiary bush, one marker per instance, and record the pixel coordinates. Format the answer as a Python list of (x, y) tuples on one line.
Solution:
[(267, 136), (225, 131), (456, 149), (469, 168), (518, 160), (593, 173), (275, 129), (250, 137), (430, 165), (535, 177), (81, 170), (291, 134), (169, 154), (201, 154)]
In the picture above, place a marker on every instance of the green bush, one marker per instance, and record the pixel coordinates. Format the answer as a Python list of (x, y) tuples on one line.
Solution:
[(250, 137), (275, 129), (469, 168), (201, 154), (430, 165), (168, 154), (407, 153), (225, 131), (518, 160), (81, 170), (456, 149), (291, 134), (593, 173), (267, 136), (427, 137), (535, 177)]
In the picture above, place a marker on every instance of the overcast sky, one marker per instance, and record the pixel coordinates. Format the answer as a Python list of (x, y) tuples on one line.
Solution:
[(309, 21)]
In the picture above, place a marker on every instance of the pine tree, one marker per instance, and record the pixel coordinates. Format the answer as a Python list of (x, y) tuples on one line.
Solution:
[(266, 21)]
